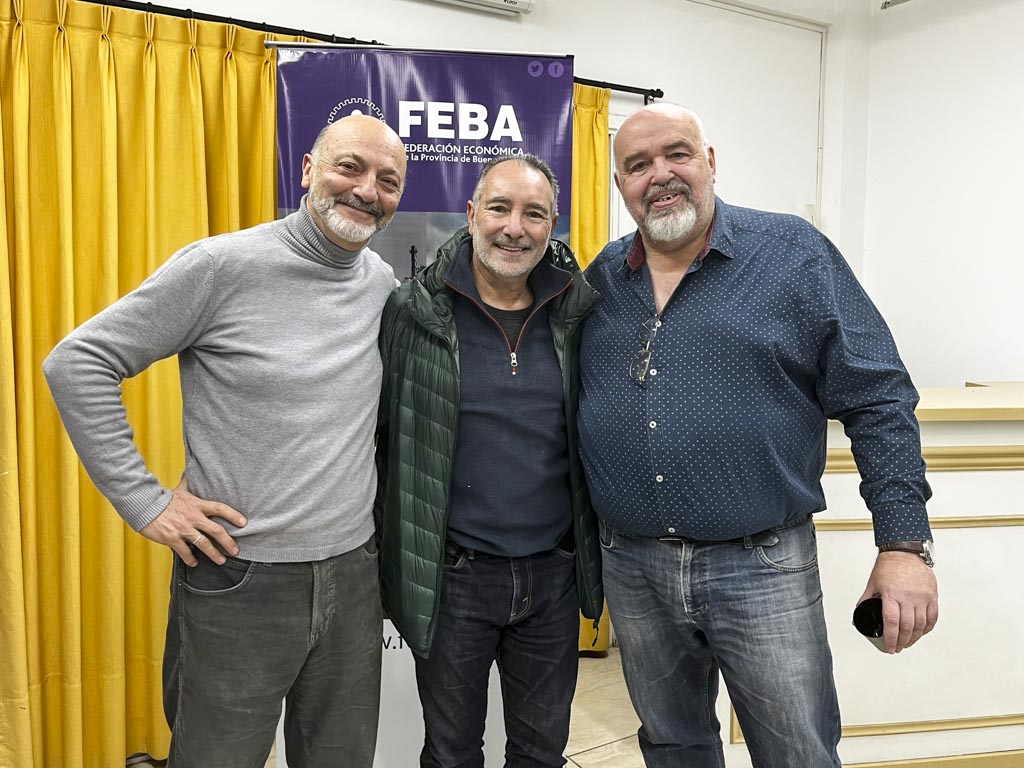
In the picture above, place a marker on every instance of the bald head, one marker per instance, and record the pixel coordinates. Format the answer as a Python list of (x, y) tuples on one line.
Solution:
[(685, 119), (355, 174), (362, 128), (665, 171)]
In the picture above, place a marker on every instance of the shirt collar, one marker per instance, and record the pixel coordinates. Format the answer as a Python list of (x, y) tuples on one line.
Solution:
[(718, 238)]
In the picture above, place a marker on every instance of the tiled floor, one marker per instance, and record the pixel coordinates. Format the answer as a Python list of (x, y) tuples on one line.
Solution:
[(603, 727), (602, 733)]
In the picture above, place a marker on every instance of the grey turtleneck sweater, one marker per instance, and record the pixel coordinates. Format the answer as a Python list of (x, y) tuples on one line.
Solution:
[(275, 329)]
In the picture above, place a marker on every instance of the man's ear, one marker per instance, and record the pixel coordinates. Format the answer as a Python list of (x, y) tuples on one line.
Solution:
[(307, 170)]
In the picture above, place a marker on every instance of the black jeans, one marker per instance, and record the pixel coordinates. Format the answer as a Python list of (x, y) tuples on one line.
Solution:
[(244, 636), (523, 613)]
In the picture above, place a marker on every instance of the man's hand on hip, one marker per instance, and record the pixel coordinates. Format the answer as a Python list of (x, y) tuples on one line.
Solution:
[(187, 523), (910, 598)]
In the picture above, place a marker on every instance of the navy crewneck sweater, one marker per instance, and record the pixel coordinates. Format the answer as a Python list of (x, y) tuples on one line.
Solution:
[(510, 490)]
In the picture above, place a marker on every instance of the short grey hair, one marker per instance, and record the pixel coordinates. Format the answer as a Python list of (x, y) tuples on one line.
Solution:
[(318, 142), (529, 160)]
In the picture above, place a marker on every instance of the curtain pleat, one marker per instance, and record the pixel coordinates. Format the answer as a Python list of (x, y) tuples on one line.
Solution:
[(17, 720), (229, 108), (196, 122), (28, 643), (125, 135), (265, 141), (61, 542), (588, 228)]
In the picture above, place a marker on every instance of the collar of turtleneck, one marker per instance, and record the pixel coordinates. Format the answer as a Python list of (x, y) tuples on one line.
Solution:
[(302, 232)]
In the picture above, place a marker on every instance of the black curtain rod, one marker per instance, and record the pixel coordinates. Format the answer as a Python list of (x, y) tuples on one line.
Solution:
[(259, 26), (648, 93)]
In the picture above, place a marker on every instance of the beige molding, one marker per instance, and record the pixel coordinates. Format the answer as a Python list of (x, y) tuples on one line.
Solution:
[(991, 403), (1013, 759), (932, 726), (995, 413), (946, 458), (982, 521), (895, 729)]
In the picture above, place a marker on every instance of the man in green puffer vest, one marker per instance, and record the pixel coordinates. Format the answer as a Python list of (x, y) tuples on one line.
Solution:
[(488, 543)]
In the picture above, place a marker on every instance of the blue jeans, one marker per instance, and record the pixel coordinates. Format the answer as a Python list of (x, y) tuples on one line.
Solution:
[(682, 610), (243, 636), (523, 613)]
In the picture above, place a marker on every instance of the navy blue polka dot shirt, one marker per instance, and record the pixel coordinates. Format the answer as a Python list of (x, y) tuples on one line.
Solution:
[(765, 339)]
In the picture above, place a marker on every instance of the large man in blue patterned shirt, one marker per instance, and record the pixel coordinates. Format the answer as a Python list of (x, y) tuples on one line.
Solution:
[(725, 340)]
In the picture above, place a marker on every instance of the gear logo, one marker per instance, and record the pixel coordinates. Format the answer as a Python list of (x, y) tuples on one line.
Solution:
[(355, 107)]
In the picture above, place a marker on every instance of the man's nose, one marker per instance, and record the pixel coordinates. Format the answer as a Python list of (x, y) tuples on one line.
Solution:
[(514, 224), (661, 171), (366, 188)]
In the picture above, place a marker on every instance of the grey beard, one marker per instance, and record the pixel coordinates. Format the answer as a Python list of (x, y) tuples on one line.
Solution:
[(346, 229), (482, 251), (670, 227)]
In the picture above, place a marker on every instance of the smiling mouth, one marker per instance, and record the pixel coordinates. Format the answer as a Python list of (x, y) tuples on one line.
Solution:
[(666, 195), (372, 213), (511, 248), (359, 213), (665, 200)]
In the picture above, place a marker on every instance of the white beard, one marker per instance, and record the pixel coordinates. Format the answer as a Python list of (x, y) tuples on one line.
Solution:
[(343, 227), (346, 229), (669, 227)]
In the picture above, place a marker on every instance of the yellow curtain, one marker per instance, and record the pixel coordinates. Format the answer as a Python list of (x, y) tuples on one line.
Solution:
[(125, 136), (588, 227), (588, 233)]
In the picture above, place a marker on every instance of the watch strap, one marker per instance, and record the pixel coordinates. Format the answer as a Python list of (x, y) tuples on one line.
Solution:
[(922, 549)]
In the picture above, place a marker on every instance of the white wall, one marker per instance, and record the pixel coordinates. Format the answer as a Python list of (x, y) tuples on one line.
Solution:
[(845, 140), (922, 119), (755, 81), (943, 256), (816, 10)]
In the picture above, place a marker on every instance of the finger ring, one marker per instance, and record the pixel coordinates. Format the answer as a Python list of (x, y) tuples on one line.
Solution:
[(196, 539)]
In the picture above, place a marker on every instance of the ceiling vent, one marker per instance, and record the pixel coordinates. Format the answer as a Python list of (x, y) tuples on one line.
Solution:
[(504, 7)]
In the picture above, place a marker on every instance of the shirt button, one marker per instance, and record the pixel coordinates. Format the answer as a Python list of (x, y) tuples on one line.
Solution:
[(654, 371), (658, 478), (652, 424)]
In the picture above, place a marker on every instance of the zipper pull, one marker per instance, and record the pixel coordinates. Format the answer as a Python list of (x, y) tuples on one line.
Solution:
[(515, 363)]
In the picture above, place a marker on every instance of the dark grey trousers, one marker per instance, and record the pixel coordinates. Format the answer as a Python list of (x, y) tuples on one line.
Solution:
[(244, 636)]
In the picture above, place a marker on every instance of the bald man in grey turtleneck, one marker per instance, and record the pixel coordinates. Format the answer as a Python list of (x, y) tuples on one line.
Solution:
[(274, 594)]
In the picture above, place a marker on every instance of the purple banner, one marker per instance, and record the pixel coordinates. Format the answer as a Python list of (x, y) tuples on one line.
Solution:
[(454, 111)]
